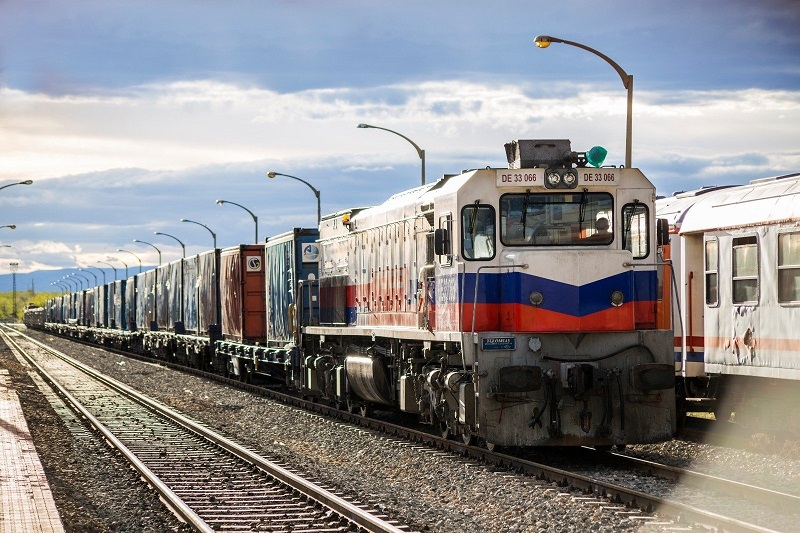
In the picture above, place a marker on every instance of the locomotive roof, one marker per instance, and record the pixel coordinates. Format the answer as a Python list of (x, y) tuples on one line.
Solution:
[(759, 202)]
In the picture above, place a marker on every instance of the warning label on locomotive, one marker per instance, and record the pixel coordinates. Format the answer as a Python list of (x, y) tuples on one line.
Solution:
[(512, 177), (598, 176), (499, 343)]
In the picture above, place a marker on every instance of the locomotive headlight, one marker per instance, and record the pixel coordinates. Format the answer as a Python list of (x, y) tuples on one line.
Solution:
[(570, 179), (617, 298), (536, 298), (553, 179)]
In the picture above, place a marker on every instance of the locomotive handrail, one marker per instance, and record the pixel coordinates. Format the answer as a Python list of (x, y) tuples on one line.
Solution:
[(475, 296)]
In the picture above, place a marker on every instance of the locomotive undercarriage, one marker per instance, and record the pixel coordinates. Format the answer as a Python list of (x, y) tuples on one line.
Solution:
[(549, 389), (520, 397)]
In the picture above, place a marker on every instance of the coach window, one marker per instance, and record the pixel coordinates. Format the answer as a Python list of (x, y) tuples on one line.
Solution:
[(789, 267), (745, 270), (712, 272), (636, 230), (477, 232)]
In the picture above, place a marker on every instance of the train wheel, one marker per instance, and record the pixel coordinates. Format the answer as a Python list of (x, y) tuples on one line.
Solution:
[(365, 409), (444, 430)]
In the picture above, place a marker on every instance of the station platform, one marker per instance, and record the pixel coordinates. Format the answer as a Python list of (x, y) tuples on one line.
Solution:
[(26, 503)]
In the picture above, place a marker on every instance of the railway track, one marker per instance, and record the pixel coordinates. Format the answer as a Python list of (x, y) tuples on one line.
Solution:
[(594, 486), (208, 480)]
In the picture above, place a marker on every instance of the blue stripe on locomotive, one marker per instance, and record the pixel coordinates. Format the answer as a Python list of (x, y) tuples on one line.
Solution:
[(559, 297)]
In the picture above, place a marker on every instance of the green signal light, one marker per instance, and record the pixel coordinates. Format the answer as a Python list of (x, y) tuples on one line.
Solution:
[(596, 155)]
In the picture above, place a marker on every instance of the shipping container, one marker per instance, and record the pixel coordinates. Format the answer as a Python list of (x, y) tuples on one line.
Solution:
[(291, 283), (208, 311), (146, 300), (242, 281), (129, 305)]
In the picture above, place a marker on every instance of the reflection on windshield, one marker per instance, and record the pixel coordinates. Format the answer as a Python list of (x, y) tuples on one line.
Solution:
[(556, 219)]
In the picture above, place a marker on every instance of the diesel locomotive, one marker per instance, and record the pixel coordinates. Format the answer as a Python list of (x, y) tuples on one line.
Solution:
[(522, 306)]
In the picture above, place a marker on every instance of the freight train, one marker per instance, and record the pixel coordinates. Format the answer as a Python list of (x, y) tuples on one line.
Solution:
[(736, 257), (520, 306)]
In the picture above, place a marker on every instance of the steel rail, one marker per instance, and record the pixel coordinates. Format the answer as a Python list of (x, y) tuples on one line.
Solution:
[(176, 504), (352, 512), (616, 493)]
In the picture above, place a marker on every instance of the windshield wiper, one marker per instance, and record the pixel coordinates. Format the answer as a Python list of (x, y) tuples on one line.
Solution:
[(525, 208), (582, 210)]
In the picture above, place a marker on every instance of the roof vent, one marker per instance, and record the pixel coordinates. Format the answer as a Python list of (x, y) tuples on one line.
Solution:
[(539, 153)]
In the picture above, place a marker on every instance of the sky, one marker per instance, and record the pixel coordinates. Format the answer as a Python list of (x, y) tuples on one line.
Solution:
[(131, 115)]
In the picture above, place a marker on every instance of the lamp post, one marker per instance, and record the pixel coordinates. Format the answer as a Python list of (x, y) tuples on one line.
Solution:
[(154, 246), (316, 191), (10, 226), (56, 284), (172, 237), (255, 218), (213, 235), (96, 283), (14, 268), (121, 261), (112, 268), (134, 255), (26, 182), (103, 272), (83, 278), (543, 41), (78, 283), (419, 150)]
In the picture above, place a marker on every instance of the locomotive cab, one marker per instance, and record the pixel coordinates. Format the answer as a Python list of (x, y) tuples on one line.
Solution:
[(515, 305)]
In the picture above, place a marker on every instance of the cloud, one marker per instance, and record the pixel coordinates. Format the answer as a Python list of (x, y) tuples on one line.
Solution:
[(117, 165)]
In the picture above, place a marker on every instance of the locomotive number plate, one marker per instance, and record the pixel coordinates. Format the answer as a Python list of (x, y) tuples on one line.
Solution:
[(522, 178), (499, 343), (598, 176)]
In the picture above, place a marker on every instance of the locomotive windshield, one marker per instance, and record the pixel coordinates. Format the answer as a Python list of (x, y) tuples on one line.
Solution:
[(556, 219)]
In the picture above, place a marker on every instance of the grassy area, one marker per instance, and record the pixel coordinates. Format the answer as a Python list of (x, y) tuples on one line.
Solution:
[(23, 299)]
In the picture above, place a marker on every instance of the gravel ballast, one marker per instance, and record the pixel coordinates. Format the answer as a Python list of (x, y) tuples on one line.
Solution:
[(423, 488)]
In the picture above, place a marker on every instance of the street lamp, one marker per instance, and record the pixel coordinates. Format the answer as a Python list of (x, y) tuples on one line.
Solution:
[(10, 226), (213, 235), (316, 192), (173, 237), (103, 272), (83, 278), (134, 255), (96, 283), (121, 261), (69, 282), (543, 41), (78, 283), (255, 218), (112, 268), (420, 151), (154, 246), (26, 182), (56, 284)]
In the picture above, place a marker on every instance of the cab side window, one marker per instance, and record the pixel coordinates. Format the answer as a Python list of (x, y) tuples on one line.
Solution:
[(636, 230), (478, 232)]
